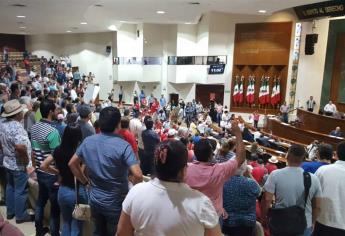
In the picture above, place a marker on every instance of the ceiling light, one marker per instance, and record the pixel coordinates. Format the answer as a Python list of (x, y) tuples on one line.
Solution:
[(188, 23), (112, 28), (160, 12), (194, 3), (122, 21), (21, 16), (68, 31), (18, 5), (262, 11), (83, 23), (22, 27)]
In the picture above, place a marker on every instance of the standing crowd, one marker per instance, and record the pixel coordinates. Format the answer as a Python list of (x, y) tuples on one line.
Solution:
[(200, 178)]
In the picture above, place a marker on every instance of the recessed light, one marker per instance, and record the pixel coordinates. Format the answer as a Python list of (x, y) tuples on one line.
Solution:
[(262, 11), (21, 16), (83, 23), (160, 12), (22, 27), (194, 3), (188, 23), (122, 21), (68, 31), (112, 28)]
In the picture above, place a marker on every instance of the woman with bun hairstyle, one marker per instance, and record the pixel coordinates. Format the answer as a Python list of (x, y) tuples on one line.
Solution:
[(170, 207)]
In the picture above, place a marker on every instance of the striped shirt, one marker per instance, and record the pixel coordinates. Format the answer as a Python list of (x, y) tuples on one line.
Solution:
[(44, 139)]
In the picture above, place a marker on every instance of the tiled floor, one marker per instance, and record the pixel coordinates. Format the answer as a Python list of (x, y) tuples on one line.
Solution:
[(27, 228)]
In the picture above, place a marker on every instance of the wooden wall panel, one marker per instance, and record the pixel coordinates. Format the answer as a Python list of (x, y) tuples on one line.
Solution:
[(15, 43), (261, 49), (262, 43), (203, 91)]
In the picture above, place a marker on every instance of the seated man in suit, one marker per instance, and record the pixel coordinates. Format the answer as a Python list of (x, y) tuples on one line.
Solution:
[(336, 132)]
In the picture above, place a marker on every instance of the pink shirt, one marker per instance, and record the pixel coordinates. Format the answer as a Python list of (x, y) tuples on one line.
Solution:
[(209, 179)]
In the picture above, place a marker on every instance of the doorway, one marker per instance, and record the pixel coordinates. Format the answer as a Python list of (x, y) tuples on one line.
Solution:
[(173, 98), (209, 92)]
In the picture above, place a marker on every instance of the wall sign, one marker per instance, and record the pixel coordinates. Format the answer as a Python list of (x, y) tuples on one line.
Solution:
[(216, 69), (329, 8)]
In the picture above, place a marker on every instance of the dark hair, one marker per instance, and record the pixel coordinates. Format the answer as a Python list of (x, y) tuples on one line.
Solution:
[(71, 138), (325, 151), (170, 158), (203, 150), (341, 151), (22, 93), (14, 87), (126, 112), (296, 153), (109, 119), (47, 106), (148, 122), (69, 108), (124, 123)]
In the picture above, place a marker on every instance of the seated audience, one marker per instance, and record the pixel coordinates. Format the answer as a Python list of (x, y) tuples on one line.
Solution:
[(271, 165), (330, 109), (336, 132), (226, 152), (247, 135), (325, 154), (331, 220), (186, 212)]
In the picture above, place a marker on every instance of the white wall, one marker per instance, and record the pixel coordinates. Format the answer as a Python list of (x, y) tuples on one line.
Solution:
[(87, 51), (185, 91)]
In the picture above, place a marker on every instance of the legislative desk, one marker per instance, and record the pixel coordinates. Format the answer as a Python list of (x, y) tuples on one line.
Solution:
[(277, 128), (283, 141), (318, 123)]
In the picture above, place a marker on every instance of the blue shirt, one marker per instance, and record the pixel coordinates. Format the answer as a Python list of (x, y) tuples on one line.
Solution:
[(239, 201), (312, 166), (107, 158), (162, 102)]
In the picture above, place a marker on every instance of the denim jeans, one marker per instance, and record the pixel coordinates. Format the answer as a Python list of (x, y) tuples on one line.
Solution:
[(105, 222), (17, 193), (67, 200), (47, 189)]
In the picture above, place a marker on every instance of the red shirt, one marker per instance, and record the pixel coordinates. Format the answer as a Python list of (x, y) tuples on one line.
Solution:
[(259, 173), (253, 164), (154, 107), (270, 167), (129, 137)]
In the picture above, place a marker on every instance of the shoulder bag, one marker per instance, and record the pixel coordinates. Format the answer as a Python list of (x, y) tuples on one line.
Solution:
[(81, 211), (290, 220)]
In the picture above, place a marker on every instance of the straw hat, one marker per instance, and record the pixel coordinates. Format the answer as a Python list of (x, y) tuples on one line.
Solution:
[(273, 160), (12, 108)]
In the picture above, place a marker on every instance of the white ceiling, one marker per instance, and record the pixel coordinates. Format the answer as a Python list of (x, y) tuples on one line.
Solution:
[(59, 16)]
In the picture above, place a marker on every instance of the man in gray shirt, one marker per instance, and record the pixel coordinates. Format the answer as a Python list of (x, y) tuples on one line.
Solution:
[(85, 116), (287, 186)]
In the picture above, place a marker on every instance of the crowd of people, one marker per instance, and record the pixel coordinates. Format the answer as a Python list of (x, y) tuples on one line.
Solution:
[(200, 177)]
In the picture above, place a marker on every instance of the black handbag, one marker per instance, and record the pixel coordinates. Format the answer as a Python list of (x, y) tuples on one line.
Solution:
[(290, 221)]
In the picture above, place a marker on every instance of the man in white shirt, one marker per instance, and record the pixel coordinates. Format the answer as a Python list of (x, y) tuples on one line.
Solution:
[(330, 109), (311, 104), (331, 220)]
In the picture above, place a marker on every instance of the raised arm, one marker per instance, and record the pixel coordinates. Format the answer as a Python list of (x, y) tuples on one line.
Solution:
[(240, 150)]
